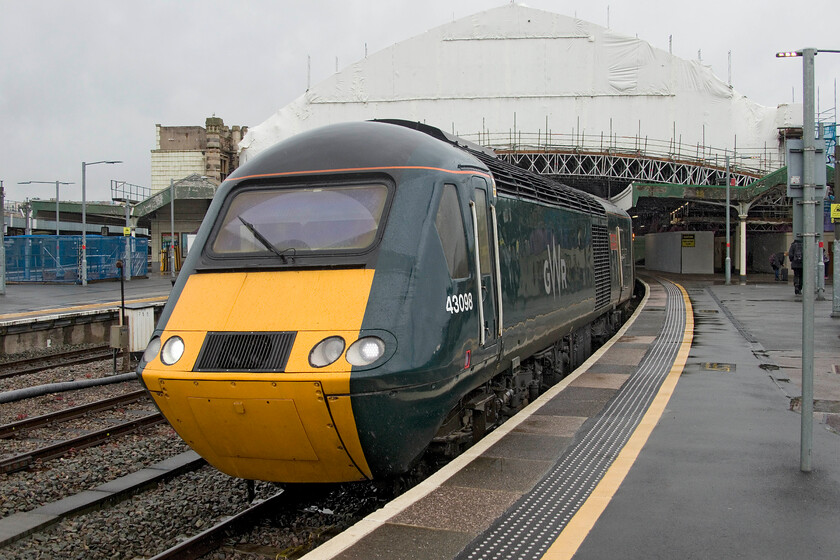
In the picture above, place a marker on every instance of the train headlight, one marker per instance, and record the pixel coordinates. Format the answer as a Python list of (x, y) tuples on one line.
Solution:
[(172, 350), (151, 350), (326, 352), (365, 351)]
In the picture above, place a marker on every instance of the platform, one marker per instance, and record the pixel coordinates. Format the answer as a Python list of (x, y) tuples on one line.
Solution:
[(677, 441), (30, 302)]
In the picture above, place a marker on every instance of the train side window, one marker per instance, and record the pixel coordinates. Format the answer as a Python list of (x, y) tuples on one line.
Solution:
[(450, 228), (483, 228)]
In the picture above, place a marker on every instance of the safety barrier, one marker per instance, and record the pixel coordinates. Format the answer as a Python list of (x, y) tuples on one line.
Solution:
[(57, 258)]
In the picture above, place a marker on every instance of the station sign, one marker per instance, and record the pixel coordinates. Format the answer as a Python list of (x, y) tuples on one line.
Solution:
[(688, 240), (835, 213), (127, 231)]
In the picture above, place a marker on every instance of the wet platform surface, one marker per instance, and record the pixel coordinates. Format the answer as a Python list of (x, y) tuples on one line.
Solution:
[(716, 475), (31, 302)]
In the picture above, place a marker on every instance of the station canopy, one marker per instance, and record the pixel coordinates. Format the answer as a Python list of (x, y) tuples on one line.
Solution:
[(517, 69)]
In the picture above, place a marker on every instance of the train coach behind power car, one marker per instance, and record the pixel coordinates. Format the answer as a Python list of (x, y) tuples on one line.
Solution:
[(362, 291)]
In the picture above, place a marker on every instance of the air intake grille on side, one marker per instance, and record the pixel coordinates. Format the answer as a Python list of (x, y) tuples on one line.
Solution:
[(245, 351), (518, 182), (601, 254)]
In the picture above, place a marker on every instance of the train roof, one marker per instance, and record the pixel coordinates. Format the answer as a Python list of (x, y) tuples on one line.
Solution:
[(356, 146), (398, 143), (514, 180)]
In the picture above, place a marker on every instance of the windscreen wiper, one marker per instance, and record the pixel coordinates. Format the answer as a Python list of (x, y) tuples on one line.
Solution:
[(262, 239)]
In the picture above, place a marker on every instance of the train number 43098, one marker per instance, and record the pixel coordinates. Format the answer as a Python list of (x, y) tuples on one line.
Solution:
[(459, 303)]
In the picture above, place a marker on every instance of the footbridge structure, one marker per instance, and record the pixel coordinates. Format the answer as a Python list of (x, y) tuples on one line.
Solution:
[(665, 184)]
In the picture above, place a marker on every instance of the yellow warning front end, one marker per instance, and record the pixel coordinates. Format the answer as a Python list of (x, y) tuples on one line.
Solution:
[(290, 422)]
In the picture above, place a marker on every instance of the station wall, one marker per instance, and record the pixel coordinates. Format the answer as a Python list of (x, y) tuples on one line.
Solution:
[(680, 252)]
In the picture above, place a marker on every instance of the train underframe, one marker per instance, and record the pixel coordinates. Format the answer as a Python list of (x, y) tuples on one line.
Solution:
[(490, 405)]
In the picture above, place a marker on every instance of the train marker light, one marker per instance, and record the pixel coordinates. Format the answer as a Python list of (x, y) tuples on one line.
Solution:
[(326, 352), (365, 351), (151, 350), (172, 350)]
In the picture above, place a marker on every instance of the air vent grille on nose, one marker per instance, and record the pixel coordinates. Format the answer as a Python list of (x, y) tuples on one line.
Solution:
[(245, 351)]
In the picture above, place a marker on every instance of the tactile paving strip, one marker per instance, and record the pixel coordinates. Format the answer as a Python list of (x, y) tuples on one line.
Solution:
[(532, 524)]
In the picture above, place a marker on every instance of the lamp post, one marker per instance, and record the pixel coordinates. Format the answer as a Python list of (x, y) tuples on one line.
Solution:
[(727, 273), (808, 258), (172, 230), (57, 183), (84, 218)]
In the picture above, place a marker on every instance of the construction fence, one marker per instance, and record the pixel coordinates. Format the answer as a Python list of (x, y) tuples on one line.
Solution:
[(58, 258)]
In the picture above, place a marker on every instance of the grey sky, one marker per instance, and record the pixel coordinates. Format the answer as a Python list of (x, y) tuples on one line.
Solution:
[(88, 80)]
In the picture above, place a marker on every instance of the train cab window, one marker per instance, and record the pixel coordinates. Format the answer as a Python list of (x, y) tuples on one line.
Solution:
[(450, 228), (306, 219)]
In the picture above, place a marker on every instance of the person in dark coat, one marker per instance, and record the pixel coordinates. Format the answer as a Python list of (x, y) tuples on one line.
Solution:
[(795, 256), (777, 262)]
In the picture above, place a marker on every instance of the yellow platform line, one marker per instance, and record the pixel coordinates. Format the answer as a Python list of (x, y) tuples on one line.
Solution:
[(86, 307), (581, 523)]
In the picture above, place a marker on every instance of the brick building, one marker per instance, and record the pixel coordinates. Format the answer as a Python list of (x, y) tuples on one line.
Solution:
[(181, 151)]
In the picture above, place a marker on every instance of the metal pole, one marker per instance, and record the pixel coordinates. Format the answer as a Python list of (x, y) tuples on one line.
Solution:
[(808, 268), (172, 229), (128, 239), (84, 219), (728, 263), (742, 227), (57, 232), (818, 231), (835, 281), (84, 228), (3, 240)]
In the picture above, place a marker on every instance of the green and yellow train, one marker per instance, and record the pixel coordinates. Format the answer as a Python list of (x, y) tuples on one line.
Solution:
[(363, 291)]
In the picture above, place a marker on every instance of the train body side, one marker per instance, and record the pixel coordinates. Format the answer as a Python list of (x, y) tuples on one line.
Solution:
[(529, 273)]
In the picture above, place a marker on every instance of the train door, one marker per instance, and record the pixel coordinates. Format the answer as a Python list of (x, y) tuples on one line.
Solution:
[(487, 267)]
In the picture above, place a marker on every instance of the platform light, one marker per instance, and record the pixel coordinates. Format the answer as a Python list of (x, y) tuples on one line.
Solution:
[(84, 215), (809, 234)]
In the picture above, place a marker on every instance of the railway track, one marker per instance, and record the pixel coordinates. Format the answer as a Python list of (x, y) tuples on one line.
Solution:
[(22, 426), (55, 419), (25, 460), (211, 539), (27, 366)]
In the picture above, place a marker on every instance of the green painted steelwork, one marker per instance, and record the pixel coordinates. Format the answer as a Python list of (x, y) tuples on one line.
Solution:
[(716, 193)]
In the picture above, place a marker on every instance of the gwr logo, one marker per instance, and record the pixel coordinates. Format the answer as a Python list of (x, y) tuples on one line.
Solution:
[(554, 270)]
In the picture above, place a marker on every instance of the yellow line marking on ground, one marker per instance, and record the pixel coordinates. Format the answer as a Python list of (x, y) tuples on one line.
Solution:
[(582, 522), (85, 307)]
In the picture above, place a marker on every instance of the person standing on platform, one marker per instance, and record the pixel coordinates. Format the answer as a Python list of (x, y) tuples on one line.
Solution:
[(795, 256), (777, 262)]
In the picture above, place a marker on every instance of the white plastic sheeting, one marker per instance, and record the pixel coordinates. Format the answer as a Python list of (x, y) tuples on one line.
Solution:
[(515, 68)]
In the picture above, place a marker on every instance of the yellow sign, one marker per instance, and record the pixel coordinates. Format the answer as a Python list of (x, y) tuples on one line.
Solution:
[(688, 240), (126, 231), (835, 212)]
